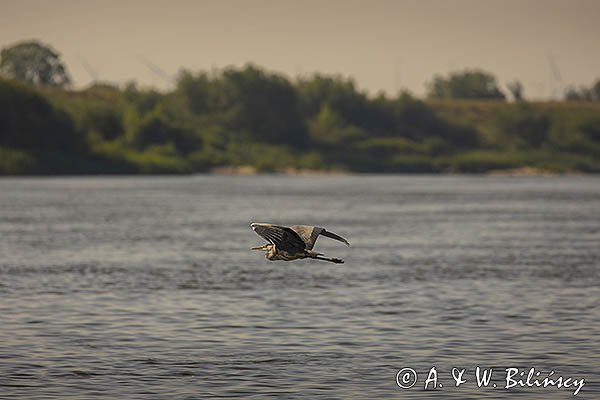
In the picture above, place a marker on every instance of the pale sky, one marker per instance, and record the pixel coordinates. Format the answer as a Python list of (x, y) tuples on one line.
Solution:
[(384, 45)]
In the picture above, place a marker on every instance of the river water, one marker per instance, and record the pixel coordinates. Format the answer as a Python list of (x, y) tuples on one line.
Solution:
[(145, 287)]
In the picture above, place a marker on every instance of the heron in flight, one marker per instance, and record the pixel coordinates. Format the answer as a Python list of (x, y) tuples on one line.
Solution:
[(293, 243)]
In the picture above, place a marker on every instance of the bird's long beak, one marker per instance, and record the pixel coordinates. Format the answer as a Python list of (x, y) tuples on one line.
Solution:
[(258, 248)]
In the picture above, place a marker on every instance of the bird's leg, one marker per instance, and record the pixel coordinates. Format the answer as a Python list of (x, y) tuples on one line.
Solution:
[(333, 260)]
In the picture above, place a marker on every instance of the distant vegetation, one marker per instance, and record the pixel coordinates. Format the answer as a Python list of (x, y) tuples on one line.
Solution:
[(252, 117), (466, 85)]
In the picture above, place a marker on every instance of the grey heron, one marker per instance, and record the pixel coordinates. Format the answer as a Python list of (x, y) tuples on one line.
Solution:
[(293, 243)]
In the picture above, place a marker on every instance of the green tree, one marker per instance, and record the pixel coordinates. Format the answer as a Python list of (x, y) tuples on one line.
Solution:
[(516, 90), (591, 128), (584, 93), (267, 106), (196, 90), (329, 128), (249, 102), (596, 90), (102, 120), (338, 93), (527, 125), (342, 97), (581, 94), (469, 84), (145, 100), (30, 122), (417, 121), (156, 129), (35, 63)]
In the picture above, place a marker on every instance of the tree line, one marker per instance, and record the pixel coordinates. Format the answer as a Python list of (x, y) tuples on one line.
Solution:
[(251, 116)]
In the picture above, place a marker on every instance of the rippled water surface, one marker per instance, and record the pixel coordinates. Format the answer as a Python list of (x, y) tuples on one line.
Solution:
[(146, 287)]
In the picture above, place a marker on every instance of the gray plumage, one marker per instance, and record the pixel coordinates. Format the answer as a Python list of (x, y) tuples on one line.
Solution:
[(292, 243)]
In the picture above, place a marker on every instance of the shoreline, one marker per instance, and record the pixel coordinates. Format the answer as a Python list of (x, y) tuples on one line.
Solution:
[(531, 171), (248, 170)]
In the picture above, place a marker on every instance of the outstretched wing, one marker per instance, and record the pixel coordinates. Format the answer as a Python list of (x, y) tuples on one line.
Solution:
[(282, 237), (309, 234)]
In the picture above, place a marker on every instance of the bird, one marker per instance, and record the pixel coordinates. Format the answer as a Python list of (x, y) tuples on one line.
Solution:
[(293, 243)]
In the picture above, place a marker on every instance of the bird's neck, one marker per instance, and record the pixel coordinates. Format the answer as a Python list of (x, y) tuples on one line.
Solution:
[(270, 251)]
